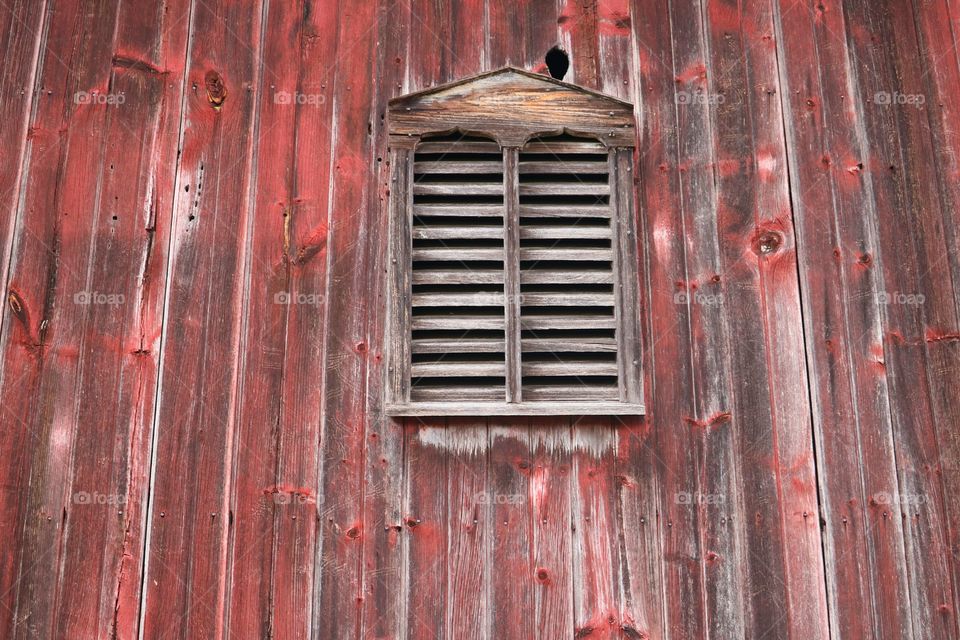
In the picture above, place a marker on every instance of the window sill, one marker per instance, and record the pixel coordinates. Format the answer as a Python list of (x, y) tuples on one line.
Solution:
[(479, 409)]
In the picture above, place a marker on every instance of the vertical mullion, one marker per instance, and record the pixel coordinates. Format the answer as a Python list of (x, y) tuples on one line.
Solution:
[(629, 376), (511, 273), (401, 221)]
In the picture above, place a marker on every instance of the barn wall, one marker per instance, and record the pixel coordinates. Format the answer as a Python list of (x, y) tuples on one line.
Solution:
[(190, 395)]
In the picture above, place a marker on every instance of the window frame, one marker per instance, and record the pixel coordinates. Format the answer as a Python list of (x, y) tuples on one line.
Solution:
[(618, 139)]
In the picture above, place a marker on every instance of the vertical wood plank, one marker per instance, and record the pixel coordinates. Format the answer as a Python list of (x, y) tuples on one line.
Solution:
[(425, 512), (190, 517), (627, 281), (596, 561), (50, 332), (469, 518), (398, 334), (549, 503), (512, 585), (836, 226), (354, 232), (910, 249), (511, 275), (23, 24), (274, 499), (671, 396)]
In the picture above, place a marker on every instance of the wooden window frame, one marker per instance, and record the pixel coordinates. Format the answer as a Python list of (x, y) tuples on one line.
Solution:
[(407, 128)]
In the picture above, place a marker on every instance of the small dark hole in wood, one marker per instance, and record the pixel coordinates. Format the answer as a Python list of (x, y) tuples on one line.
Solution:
[(558, 62)]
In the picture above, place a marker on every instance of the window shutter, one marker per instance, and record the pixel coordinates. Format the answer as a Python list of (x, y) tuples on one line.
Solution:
[(457, 259), (568, 315), (513, 271)]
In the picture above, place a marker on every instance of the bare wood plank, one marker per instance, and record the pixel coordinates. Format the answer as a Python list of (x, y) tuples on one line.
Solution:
[(458, 346), (564, 211), (458, 146), (553, 407), (569, 368), (581, 344), (462, 254), (568, 322), (511, 105), (422, 393), (464, 322), (463, 232), (398, 297), (459, 210), (531, 232), (628, 282), (447, 368), (564, 253), (511, 270), (567, 299), (561, 147), (569, 167), (466, 276), (544, 188), (464, 189), (457, 299), (579, 276), (571, 393), (453, 166)]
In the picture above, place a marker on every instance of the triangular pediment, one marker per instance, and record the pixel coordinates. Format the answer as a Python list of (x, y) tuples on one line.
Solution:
[(512, 105)]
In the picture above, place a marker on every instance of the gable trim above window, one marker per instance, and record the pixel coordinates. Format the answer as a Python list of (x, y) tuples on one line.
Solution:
[(512, 272)]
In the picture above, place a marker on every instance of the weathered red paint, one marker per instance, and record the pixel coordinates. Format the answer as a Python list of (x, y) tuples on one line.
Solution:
[(797, 474)]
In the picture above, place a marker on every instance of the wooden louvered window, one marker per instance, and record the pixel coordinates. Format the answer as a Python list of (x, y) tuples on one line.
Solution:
[(512, 275)]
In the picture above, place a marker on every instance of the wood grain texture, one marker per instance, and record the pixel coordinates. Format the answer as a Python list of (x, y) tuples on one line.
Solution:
[(796, 158), (191, 514)]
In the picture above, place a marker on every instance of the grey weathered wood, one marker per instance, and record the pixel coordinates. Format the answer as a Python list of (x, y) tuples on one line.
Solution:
[(511, 265), (568, 322), (545, 188), (561, 147), (471, 369), (584, 276), (457, 188), (562, 253), (571, 167), (457, 299), (459, 210), (563, 233), (512, 106), (569, 368), (457, 167), (480, 408), (447, 394), (564, 211), (459, 146), (477, 232), (627, 280), (436, 345), (472, 276), (568, 299), (571, 392), (398, 291), (461, 254), (465, 322), (580, 345)]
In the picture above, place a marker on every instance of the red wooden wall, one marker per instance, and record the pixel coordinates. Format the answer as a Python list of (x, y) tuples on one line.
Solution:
[(192, 245)]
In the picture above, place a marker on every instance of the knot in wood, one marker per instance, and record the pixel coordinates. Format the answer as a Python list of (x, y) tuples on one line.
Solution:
[(216, 91), (767, 242)]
